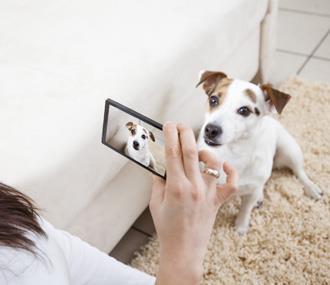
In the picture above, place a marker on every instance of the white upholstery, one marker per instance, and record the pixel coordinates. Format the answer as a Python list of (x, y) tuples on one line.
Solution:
[(59, 61)]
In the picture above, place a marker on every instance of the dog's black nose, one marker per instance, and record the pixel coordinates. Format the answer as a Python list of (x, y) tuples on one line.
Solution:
[(136, 145), (212, 131)]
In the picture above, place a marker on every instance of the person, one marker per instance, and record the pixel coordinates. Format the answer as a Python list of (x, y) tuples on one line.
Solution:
[(183, 209)]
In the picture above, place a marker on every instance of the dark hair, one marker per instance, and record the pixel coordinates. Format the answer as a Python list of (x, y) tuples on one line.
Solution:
[(18, 216)]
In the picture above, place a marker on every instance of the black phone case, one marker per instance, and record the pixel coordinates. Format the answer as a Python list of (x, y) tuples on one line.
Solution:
[(110, 102)]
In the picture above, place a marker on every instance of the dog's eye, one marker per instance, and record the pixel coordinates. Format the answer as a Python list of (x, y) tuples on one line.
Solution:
[(133, 132), (244, 111), (143, 136), (214, 101)]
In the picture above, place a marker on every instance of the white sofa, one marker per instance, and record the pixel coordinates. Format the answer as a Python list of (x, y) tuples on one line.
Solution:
[(60, 60)]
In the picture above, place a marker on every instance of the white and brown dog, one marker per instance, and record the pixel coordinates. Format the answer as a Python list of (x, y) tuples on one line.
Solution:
[(239, 128), (137, 146)]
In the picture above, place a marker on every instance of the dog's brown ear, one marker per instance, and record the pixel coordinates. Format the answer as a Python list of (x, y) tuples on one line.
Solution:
[(210, 80), (275, 97), (152, 137), (129, 125)]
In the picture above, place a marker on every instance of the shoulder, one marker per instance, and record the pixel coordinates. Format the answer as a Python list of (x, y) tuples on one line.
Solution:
[(46, 266)]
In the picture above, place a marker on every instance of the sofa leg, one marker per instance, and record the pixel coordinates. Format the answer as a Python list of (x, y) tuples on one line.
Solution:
[(257, 78), (267, 42)]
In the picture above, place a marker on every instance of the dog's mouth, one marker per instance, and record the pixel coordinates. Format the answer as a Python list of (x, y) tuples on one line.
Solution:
[(136, 147), (210, 142)]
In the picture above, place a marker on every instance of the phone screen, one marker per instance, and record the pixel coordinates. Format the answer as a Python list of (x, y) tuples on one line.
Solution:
[(134, 136)]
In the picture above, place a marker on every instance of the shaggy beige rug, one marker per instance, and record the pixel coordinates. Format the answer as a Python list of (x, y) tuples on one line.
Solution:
[(288, 241)]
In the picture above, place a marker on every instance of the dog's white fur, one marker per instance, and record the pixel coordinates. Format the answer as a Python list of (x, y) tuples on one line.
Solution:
[(142, 154), (253, 145)]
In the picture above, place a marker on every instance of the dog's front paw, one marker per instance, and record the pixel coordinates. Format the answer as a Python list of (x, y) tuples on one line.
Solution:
[(241, 227)]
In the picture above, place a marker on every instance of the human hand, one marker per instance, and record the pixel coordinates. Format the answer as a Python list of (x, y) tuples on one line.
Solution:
[(184, 206)]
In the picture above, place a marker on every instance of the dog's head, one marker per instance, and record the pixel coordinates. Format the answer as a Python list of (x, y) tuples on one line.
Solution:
[(235, 107), (139, 136)]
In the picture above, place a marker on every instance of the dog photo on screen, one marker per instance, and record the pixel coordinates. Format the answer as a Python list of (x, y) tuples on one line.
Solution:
[(137, 140), (137, 146)]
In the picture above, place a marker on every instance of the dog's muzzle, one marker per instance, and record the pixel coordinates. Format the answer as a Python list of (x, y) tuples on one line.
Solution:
[(211, 133), (210, 142), (136, 145)]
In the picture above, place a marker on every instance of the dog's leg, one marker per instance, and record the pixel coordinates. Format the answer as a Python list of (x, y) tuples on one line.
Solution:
[(249, 201), (260, 200), (289, 154)]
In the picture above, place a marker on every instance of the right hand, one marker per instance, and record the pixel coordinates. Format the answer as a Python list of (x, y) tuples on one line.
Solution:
[(184, 206)]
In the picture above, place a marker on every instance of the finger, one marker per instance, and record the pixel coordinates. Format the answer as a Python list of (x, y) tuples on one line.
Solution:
[(228, 189), (210, 161), (224, 192), (232, 176), (189, 151), (157, 192), (173, 156)]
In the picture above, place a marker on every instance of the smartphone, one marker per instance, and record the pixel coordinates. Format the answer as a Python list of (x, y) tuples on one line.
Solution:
[(135, 136)]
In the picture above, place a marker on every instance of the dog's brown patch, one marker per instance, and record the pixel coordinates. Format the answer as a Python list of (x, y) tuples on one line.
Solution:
[(275, 97), (221, 90), (133, 130), (249, 93), (152, 137), (131, 127), (210, 80)]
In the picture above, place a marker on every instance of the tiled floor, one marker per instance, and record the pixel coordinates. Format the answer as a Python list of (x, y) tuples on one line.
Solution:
[(303, 48), (303, 40)]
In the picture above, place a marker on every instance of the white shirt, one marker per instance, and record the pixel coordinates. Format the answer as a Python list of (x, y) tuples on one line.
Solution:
[(65, 259)]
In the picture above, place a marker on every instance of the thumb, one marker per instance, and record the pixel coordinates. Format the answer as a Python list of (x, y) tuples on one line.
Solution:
[(157, 192)]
